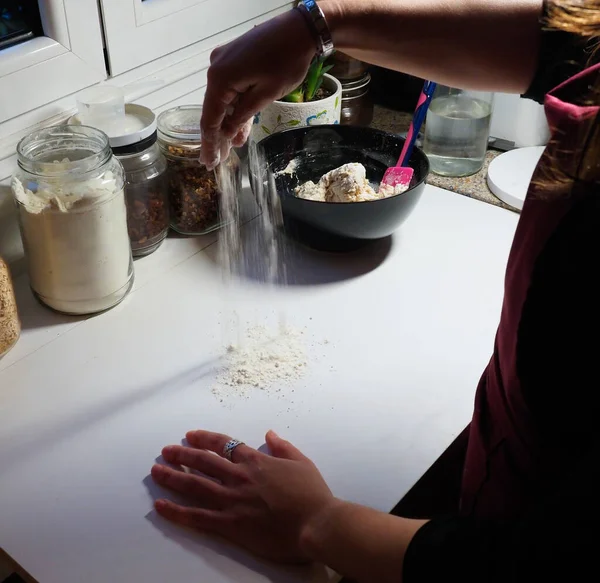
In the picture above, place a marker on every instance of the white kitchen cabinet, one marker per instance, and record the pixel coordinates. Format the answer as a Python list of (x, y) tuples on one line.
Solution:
[(138, 31), (68, 58)]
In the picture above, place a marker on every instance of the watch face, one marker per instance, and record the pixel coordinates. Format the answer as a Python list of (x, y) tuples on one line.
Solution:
[(12, 572)]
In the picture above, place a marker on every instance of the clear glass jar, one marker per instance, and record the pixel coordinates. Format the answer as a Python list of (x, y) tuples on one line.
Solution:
[(10, 326), (347, 68), (457, 129), (146, 195), (194, 191), (357, 106), (69, 190)]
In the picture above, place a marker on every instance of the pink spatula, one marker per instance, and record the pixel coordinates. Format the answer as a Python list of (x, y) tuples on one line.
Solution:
[(401, 175)]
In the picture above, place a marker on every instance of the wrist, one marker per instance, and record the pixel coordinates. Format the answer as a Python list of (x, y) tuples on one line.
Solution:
[(333, 12), (315, 533)]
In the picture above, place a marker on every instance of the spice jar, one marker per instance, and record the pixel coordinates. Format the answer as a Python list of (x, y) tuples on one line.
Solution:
[(194, 191), (134, 142), (70, 197), (10, 327), (357, 106), (146, 195)]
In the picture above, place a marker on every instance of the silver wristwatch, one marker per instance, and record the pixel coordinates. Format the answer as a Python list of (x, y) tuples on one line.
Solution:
[(316, 21)]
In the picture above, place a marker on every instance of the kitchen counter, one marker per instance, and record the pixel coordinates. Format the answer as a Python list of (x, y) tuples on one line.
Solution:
[(473, 186), (87, 403)]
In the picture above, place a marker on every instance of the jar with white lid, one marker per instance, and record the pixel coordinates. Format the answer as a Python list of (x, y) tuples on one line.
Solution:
[(194, 191), (69, 190), (146, 195)]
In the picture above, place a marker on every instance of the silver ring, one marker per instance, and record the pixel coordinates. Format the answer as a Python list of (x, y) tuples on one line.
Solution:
[(229, 447)]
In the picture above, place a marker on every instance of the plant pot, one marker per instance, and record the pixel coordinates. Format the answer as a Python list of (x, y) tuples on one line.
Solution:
[(281, 115)]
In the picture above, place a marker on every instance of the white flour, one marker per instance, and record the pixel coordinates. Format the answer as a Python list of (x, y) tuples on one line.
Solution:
[(290, 169), (264, 360), (77, 244)]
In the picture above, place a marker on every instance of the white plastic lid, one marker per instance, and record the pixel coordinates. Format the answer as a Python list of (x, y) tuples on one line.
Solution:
[(510, 173), (104, 108)]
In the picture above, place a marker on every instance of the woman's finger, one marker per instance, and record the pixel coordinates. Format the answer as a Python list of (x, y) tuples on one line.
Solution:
[(283, 449), (217, 100), (242, 136), (248, 103), (216, 442), (202, 519), (204, 461), (202, 489)]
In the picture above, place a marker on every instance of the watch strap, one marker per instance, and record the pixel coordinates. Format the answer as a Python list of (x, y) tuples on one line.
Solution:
[(316, 21)]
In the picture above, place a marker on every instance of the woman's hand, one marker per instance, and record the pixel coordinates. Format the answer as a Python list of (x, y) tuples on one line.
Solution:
[(247, 74), (260, 502)]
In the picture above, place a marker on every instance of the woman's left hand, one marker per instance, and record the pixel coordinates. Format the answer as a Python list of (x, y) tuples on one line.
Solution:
[(260, 502)]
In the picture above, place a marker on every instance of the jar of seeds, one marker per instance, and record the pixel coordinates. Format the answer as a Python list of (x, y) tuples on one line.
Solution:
[(10, 326), (194, 191)]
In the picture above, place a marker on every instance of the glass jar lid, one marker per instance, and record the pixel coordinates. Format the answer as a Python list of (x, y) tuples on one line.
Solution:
[(181, 123)]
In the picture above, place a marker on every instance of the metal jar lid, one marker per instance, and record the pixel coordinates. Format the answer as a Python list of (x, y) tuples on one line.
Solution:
[(356, 84)]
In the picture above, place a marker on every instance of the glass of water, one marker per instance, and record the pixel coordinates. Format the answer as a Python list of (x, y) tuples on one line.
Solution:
[(457, 130)]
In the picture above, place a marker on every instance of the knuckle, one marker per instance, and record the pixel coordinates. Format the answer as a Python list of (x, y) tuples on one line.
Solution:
[(241, 476), (214, 73), (214, 55)]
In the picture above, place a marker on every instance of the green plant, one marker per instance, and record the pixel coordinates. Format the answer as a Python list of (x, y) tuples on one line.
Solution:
[(311, 84)]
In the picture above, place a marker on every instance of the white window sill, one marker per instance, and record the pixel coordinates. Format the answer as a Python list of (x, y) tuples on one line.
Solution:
[(29, 53)]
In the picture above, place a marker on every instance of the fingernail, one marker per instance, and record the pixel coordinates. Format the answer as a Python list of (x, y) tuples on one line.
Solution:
[(160, 504), (167, 450), (274, 434), (211, 164), (157, 470)]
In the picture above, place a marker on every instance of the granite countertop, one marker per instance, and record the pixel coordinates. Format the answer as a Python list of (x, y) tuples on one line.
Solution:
[(474, 186)]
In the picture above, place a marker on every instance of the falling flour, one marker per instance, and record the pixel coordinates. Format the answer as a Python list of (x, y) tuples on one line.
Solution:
[(262, 358), (270, 360)]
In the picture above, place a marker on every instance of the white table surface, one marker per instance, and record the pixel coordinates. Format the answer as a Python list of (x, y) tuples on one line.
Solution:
[(87, 404)]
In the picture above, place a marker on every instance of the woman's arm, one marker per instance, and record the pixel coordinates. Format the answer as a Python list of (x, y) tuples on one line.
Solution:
[(472, 43), (365, 545), (279, 507)]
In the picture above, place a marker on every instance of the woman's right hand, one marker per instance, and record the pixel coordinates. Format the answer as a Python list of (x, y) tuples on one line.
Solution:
[(247, 74)]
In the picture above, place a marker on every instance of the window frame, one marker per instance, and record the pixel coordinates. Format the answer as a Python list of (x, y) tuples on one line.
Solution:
[(68, 58), (34, 27)]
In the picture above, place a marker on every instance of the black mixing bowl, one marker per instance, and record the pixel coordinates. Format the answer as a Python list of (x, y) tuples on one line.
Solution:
[(319, 149)]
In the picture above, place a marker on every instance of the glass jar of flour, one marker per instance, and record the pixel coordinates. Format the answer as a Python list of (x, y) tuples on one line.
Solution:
[(69, 190)]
